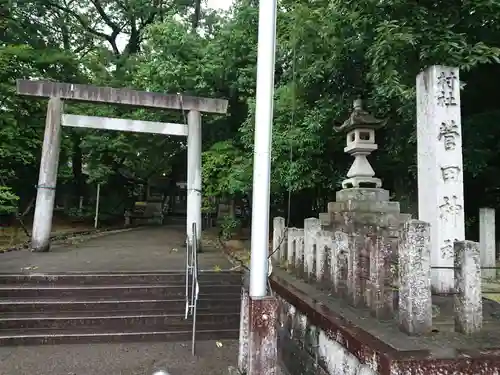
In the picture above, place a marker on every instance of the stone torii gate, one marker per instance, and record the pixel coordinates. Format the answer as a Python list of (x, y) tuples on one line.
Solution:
[(57, 92)]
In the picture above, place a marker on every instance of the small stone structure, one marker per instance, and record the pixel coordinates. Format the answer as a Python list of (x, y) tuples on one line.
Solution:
[(352, 248), (360, 128)]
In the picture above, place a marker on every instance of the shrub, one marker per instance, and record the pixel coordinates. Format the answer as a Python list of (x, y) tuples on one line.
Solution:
[(8, 200)]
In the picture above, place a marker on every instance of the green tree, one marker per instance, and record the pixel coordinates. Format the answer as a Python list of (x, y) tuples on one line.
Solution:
[(328, 54)]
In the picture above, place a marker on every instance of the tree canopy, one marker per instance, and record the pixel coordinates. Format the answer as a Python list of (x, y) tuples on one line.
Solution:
[(328, 54)]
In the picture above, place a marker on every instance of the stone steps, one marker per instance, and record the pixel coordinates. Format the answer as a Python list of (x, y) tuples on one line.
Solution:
[(117, 320), (171, 306), (114, 307), (110, 291), (118, 278), (34, 337)]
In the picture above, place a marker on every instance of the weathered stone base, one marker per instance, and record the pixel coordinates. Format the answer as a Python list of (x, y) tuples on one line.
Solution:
[(306, 349), (315, 338), (263, 336)]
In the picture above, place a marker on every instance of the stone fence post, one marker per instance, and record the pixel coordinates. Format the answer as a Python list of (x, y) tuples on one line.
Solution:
[(295, 253), (279, 240), (312, 226), (415, 300), (487, 241), (324, 255), (127, 217), (340, 264), (468, 300)]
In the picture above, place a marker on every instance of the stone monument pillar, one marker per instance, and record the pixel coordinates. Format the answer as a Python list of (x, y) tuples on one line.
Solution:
[(440, 168)]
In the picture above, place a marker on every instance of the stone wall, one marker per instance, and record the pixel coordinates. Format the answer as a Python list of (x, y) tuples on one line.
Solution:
[(306, 349), (317, 337), (364, 252)]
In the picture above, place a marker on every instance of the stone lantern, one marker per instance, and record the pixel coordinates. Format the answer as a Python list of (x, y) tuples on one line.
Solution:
[(360, 128)]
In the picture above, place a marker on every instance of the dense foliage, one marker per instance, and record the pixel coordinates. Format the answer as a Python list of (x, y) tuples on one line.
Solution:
[(328, 53)]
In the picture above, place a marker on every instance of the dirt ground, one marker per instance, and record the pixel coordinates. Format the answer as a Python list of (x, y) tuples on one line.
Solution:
[(15, 235)]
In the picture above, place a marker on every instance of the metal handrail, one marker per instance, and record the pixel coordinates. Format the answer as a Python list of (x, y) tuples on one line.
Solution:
[(197, 285), (188, 273), (192, 273)]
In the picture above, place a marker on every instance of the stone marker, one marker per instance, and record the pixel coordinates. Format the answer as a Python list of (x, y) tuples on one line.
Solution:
[(487, 241), (440, 167), (415, 300), (467, 300)]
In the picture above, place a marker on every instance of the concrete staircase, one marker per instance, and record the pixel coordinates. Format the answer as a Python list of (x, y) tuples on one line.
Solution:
[(115, 307)]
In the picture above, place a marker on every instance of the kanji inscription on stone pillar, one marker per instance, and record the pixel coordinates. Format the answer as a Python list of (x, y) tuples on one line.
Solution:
[(440, 167)]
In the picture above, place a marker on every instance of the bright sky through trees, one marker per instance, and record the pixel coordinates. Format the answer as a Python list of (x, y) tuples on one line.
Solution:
[(219, 4)]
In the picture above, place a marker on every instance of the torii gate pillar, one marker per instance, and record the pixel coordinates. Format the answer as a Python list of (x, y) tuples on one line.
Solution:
[(47, 179)]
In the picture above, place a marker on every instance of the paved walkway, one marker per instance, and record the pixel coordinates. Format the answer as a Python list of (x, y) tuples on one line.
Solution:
[(142, 249), (119, 359)]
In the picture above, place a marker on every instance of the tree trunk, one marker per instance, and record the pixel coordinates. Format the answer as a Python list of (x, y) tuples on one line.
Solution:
[(76, 162)]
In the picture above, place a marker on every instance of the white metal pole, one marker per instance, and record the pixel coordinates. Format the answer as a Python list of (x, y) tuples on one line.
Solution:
[(98, 194), (262, 147), (194, 174)]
